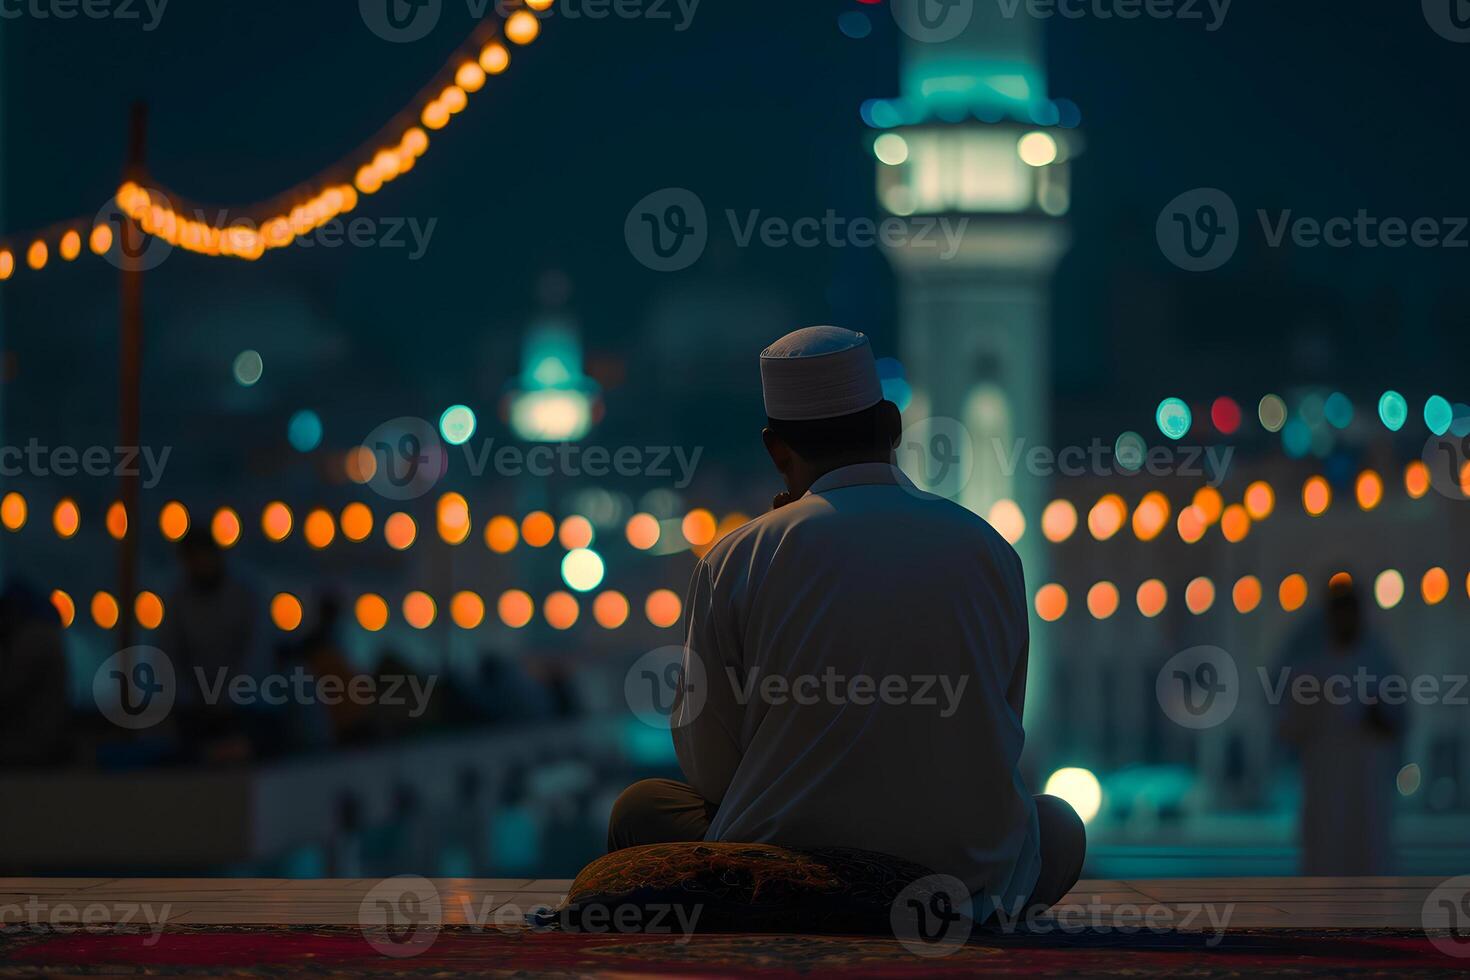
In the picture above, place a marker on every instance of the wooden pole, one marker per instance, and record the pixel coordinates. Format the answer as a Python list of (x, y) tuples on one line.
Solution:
[(130, 377)]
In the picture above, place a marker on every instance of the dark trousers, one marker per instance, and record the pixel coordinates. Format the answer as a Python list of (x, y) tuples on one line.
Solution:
[(662, 811)]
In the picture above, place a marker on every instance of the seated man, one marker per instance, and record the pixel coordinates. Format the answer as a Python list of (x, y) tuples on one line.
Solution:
[(862, 656)]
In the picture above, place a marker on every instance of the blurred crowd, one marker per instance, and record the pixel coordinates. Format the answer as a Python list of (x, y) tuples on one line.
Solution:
[(214, 636)]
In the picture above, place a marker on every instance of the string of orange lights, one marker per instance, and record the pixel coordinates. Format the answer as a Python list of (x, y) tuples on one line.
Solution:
[(311, 204), (699, 528), (662, 608)]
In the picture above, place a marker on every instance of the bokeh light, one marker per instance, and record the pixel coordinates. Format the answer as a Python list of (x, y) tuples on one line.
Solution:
[(372, 612), (699, 527), (610, 609), (537, 529), (1225, 415), (1199, 595), (1316, 496), (1152, 597), (319, 529), (1191, 524), (1260, 500), (13, 511), (502, 534), (173, 520), (1246, 594), (66, 518), (304, 431), (1235, 523), (1174, 418), (642, 531), (452, 518), (1051, 602), (561, 610), (248, 368), (286, 611), (1435, 586), (1388, 588), (419, 610), (457, 424), (1079, 788), (148, 610), (1006, 517), (1210, 503), (1107, 517), (515, 608), (663, 608), (1151, 516), (1438, 415), (1102, 600), (357, 522), (1369, 489), (1058, 521), (116, 520), (1393, 410), (575, 532), (467, 610), (225, 527), (65, 607), (275, 521), (399, 530), (1416, 479), (1272, 413), (1293, 592), (104, 610), (582, 569)]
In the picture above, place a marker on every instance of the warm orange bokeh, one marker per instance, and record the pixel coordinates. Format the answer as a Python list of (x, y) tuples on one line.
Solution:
[(663, 608)]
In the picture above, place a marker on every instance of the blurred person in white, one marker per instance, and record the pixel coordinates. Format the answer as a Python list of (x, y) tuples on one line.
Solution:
[(1346, 726), (857, 573)]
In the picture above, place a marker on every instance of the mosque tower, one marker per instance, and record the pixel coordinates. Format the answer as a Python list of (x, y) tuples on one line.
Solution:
[(974, 145)]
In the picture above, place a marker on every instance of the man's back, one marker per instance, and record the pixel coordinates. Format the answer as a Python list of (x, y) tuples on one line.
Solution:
[(863, 653)]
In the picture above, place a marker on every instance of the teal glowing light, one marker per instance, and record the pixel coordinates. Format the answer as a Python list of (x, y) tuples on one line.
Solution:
[(1338, 410), (1393, 409), (1174, 418), (1438, 415), (248, 368), (457, 424), (582, 569), (304, 431), (1129, 451), (1296, 439)]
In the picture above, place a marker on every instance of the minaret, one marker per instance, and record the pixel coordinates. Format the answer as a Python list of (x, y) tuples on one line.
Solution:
[(975, 141)]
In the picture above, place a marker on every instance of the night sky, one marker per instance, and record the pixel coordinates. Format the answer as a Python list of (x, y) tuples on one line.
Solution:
[(1321, 107)]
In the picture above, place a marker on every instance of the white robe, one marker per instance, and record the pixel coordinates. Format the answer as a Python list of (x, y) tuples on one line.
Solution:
[(865, 582)]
